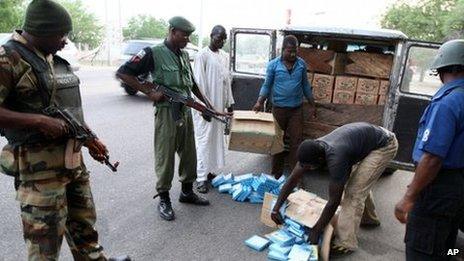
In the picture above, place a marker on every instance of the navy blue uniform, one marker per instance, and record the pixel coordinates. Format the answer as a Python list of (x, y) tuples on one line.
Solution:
[(434, 221)]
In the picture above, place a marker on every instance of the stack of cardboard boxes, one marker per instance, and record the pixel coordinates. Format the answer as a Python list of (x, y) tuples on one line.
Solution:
[(354, 78)]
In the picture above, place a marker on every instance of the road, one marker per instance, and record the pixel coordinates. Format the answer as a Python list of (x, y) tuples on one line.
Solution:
[(127, 219)]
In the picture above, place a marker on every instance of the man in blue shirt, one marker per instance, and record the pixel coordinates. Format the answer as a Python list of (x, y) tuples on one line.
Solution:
[(286, 83), (433, 205)]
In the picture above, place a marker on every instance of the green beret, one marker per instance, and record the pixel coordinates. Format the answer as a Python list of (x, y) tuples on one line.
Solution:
[(182, 24), (46, 18)]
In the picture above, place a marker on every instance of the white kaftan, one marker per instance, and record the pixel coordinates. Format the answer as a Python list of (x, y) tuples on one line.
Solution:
[(211, 72)]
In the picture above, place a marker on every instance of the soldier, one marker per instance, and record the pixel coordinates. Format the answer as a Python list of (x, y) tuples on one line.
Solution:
[(52, 182), (169, 66)]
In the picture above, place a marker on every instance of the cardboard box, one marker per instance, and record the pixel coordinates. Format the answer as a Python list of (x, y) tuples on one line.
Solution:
[(317, 60), (343, 97), (369, 64), (368, 86), (323, 61), (382, 100), (366, 98), (305, 208), (323, 87), (268, 204), (384, 86), (256, 133), (346, 83)]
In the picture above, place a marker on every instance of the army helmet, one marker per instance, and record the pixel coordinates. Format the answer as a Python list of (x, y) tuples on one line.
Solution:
[(450, 53)]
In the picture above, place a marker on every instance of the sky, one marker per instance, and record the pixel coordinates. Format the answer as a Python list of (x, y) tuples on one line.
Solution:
[(246, 13)]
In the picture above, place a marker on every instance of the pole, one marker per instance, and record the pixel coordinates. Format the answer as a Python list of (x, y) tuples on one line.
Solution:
[(200, 31), (108, 35)]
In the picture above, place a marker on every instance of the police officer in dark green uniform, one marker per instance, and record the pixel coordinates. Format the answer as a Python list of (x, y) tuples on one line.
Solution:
[(169, 66), (53, 186)]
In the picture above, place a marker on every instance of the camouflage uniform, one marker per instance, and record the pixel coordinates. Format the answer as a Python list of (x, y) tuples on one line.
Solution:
[(54, 201)]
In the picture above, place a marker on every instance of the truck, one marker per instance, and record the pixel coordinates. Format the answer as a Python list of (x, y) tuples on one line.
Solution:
[(376, 76)]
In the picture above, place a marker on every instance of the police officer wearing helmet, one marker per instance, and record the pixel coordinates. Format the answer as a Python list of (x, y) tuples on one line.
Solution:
[(169, 66), (433, 205), (53, 187)]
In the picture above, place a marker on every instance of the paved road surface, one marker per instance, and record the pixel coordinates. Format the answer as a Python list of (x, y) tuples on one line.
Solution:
[(127, 219)]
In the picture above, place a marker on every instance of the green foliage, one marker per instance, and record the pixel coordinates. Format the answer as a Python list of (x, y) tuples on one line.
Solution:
[(194, 39), (145, 26), (425, 20), (11, 13), (86, 27), (454, 23)]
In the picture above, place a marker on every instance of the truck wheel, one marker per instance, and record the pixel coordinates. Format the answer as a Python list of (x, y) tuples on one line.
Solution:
[(388, 171), (129, 90)]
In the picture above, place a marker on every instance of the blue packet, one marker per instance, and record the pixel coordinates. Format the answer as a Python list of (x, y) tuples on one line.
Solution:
[(257, 243)]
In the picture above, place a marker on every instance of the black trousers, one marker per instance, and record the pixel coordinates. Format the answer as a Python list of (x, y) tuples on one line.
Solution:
[(290, 120), (434, 221)]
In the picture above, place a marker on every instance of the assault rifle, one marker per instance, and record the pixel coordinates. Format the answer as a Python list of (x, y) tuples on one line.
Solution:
[(77, 130), (178, 100)]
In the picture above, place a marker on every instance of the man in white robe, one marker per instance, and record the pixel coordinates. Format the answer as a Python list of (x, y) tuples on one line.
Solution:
[(211, 72)]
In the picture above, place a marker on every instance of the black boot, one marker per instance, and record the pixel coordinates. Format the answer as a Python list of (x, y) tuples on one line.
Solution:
[(188, 196), (165, 207), (120, 258)]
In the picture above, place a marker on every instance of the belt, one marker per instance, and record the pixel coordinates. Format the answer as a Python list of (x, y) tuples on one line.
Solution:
[(446, 171), (452, 171), (44, 143), (288, 108)]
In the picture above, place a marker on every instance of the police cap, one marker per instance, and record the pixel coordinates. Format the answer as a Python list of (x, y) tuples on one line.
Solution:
[(179, 22)]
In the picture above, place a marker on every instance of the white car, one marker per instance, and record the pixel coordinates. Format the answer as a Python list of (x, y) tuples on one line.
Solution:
[(69, 52), (132, 47)]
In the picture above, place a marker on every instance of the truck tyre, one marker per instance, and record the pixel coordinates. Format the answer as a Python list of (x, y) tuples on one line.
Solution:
[(129, 90)]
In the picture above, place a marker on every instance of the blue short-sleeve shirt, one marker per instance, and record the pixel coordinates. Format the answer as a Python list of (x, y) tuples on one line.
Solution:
[(441, 128)]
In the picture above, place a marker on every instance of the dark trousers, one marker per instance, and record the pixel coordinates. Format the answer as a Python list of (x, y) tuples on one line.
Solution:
[(434, 221), (290, 120)]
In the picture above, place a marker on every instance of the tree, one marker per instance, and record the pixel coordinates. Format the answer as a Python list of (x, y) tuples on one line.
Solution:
[(86, 27), (424, 20), (454, 22), (12, 13), (145, 26)]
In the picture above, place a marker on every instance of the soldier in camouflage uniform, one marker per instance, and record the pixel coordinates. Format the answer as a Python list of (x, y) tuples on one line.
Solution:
[(52, 182)]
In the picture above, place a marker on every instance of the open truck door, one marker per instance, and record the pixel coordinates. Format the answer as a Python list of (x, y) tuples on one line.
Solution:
[(415, 87), (251, 50)]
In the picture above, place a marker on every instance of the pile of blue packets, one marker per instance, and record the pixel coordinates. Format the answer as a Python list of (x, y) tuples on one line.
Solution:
[(287, 243), (248, 187)]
